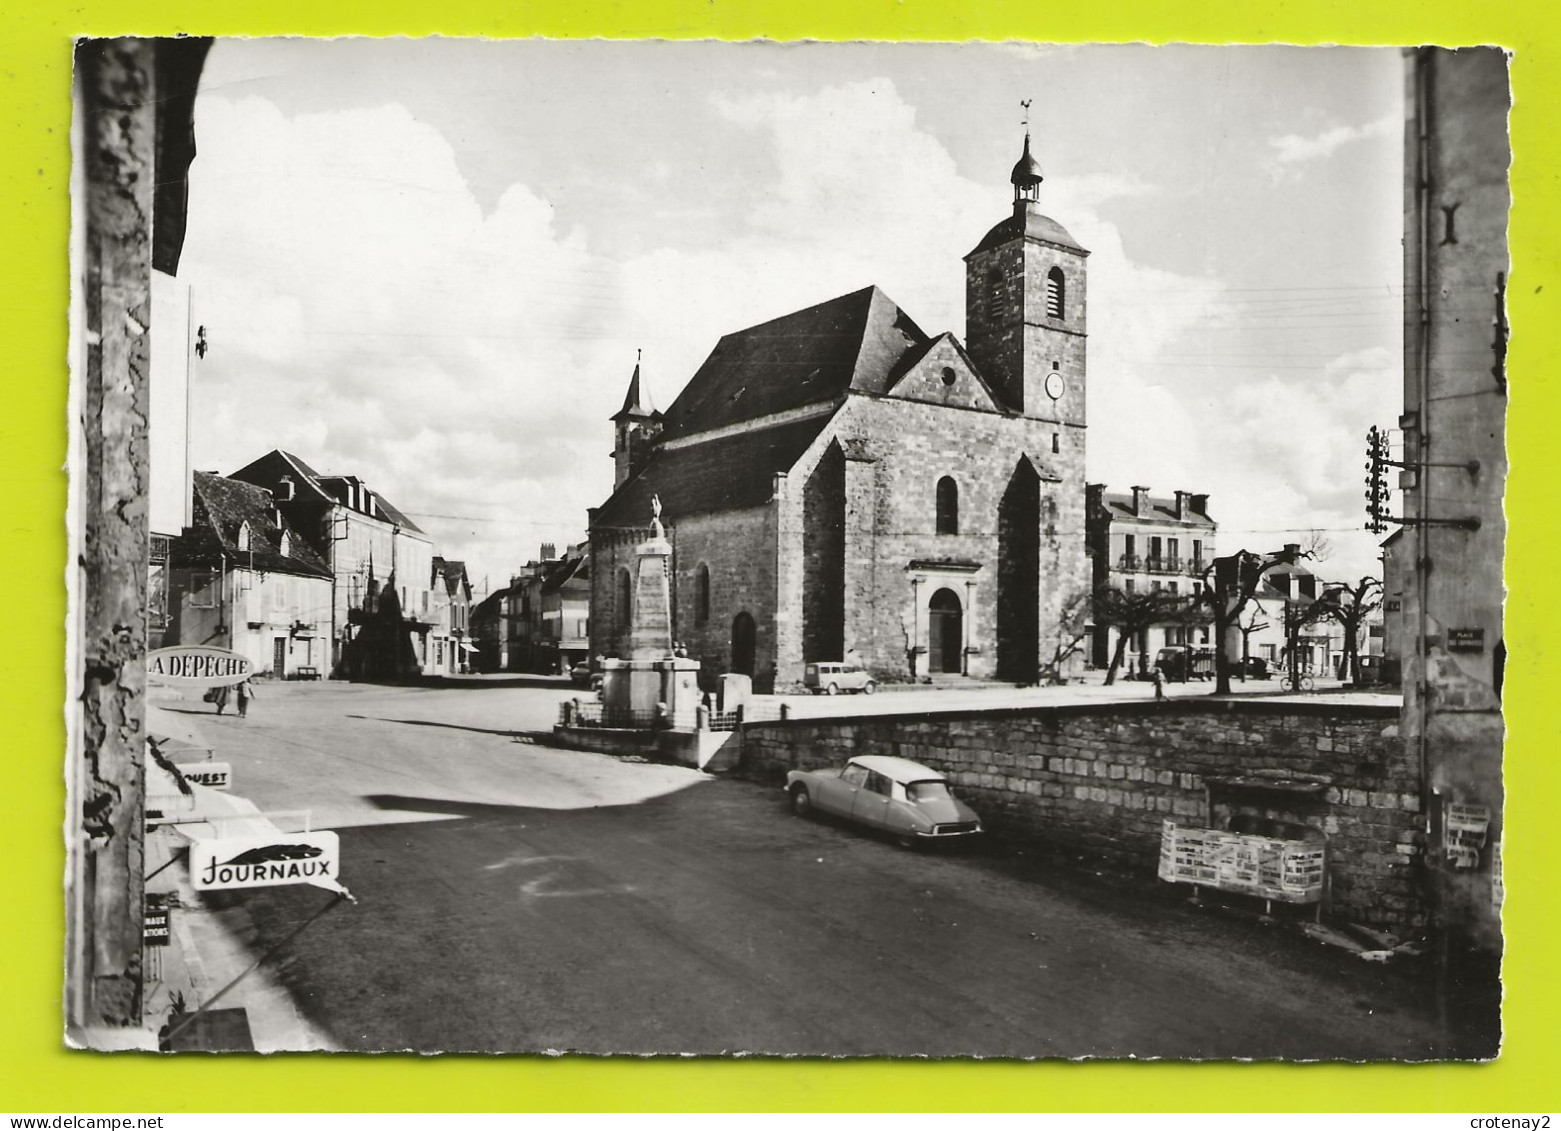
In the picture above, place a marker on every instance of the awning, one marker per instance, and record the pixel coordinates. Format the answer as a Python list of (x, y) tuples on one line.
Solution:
[(175, 725), (468, 647)]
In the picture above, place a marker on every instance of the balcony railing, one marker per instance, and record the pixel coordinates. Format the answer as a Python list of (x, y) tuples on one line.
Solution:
[(1130, 561)]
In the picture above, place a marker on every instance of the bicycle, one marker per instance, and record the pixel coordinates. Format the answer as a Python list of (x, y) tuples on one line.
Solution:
[(1300, 681)]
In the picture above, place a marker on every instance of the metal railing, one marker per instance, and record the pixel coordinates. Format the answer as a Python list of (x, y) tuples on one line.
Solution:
[(590, 713), (725, 720), (594, 713), (1129, 561)]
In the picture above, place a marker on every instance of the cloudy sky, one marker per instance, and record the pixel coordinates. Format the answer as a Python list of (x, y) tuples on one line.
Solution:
[(430, 263)]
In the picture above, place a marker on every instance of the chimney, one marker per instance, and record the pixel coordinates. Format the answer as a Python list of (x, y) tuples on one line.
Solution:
[(1140, 501), (549, 551), (1181, 504), (1292, 551), (1199, 504)]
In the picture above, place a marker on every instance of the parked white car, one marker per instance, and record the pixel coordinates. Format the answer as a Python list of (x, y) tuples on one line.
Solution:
[(904, 799), (832, 679)]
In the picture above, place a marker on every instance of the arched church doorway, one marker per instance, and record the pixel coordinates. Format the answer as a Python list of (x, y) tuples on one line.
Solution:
[(743, 644), (945, 633)]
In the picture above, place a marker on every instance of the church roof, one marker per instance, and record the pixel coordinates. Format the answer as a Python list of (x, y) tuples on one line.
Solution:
[(731, 472), (855, 343), (1026, 222)]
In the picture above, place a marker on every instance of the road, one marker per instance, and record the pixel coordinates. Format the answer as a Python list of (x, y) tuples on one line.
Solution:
[(518, 897)]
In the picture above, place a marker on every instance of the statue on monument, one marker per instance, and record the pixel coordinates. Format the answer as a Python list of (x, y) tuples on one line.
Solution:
[(656, 529)]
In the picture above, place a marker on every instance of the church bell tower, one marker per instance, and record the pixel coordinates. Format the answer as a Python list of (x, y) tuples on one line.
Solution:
[(635, 428), (1024, 307)]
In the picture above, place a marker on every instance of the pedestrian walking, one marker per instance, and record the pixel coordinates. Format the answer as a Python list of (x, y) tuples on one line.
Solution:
[(245, 692), (1159, 686), (218, 696)]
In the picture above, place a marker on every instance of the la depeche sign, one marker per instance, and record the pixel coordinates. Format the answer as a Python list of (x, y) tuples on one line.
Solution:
[(196, 665), (257, 862)]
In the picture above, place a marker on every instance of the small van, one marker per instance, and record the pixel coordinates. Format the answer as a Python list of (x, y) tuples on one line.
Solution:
[(1179, 664), (832, 679)]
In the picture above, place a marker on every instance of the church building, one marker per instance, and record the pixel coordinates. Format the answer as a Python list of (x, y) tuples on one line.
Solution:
[(838, 484)]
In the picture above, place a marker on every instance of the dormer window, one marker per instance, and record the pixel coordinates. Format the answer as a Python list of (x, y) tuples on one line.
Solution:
[(243, 536), (286, 545)]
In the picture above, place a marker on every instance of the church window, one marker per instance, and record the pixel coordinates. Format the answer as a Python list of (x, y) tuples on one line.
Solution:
[(1056, 293), (994, 293), (622, 610), (948, 506), (948, 375), (1056, 444), (702, 594)]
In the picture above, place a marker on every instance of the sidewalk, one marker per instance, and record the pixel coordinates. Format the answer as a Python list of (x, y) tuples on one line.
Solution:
[(918, 698), (205, 952)]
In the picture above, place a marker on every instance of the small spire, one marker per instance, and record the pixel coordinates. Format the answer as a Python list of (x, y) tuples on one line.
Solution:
[(636, 403), (1026, 177)]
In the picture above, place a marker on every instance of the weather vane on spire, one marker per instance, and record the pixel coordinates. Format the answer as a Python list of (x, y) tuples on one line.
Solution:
[(1025, 102)]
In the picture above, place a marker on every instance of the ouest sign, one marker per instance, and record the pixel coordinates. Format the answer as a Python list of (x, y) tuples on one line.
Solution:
[(197, 665)]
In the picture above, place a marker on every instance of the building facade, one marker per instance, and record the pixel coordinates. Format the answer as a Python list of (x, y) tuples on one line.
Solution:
[(1140, 543), (838, 484), (487, 633), (1454, 427), (449, 650), (241, 577), (378, 558)]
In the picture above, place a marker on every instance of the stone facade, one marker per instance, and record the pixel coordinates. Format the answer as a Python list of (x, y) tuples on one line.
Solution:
[(1103, 780), (858, 490), (1455, 409)]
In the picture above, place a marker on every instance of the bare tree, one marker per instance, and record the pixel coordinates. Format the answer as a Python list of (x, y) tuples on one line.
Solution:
[(1350, 605), (1072, 627), (1316, 546), (1253, 623), (1131, 613), (1230, 584), (1299, 616)]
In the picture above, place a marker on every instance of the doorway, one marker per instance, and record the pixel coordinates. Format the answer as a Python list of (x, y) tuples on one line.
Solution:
[(945, 633), (279, 656), (743, 644)]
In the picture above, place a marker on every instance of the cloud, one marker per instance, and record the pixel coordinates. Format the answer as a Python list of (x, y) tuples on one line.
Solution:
[(366, 313), (1296, 149)]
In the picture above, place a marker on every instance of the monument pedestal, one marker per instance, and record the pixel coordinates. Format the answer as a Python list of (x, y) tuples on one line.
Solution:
[(650, 693), (654, 692)]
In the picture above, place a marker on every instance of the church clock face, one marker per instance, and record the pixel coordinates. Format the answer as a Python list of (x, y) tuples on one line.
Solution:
[(1055, 385)]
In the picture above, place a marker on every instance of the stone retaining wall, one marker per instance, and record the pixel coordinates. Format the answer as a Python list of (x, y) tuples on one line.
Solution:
[(1102, 780)]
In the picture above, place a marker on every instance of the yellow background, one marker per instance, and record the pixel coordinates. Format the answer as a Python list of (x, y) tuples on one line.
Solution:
[(38, 1075)]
